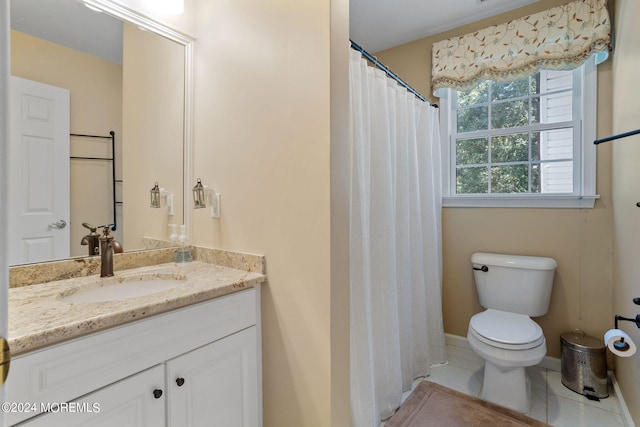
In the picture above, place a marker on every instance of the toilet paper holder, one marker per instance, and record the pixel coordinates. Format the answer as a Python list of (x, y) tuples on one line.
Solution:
[(621, 345)]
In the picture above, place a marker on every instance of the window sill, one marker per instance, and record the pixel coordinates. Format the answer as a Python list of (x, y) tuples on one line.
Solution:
[(520, 201)]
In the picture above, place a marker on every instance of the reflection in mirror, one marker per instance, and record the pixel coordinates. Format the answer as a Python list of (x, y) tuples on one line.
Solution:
[(118, 78)]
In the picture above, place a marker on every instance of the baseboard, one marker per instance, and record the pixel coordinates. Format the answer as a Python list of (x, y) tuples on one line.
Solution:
[(553, 363), (626, 415)]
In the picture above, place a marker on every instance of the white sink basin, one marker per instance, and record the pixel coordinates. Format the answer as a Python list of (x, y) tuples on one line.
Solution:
[(124, 287)]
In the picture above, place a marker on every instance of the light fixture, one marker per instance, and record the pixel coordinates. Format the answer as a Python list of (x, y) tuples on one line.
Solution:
[(155, 196), (204, 196), (158, 195), (199, 200)]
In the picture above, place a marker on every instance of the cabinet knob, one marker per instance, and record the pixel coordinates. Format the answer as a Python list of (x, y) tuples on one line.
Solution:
[(157, 393), (180, 381)]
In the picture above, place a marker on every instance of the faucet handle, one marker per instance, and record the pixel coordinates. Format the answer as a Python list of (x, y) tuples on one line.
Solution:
[(89, 226)]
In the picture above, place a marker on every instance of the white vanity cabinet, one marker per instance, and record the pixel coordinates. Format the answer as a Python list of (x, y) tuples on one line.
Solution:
[(130, 402), (198, 365), (215, 385)]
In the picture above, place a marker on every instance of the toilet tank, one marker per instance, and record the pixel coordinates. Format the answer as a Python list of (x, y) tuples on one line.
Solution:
[(518, 284)]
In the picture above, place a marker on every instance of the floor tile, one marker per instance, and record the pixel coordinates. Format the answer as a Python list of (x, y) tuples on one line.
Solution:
[(563, 412), (465, 358), (552, 402), (538, 409), (556, 387), (457, 378)]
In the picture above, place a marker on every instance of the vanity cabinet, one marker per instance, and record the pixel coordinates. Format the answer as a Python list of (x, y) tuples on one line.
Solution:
[(199, 365), (130, 402), (214, 385)]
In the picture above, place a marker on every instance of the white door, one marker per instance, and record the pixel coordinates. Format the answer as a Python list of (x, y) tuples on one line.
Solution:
[(216, 385), (38, 172)]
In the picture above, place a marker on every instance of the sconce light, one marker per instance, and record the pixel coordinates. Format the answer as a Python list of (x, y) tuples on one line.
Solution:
[(158, 195), (203, 196), (155, 196), (198, 196)]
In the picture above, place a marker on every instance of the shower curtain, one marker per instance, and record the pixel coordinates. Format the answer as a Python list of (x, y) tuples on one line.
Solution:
[(395, 254)]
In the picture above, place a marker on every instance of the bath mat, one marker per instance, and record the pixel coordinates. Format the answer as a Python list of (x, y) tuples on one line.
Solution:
[(433, 405)]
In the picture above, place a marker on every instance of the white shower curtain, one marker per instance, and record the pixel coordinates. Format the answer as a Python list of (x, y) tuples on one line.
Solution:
[(396, 256)]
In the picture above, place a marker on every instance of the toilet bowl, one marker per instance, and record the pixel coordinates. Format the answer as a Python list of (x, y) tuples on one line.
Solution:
[(511, 288), (508, 343)]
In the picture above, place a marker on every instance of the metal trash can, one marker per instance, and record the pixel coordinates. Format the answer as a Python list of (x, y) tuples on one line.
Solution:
[(584, 364)]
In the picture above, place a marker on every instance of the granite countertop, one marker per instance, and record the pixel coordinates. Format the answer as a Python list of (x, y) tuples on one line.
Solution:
[(39, 316)]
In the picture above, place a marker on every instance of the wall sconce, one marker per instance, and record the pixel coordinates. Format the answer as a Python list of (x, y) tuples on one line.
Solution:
[(204, 196), (158, 195)]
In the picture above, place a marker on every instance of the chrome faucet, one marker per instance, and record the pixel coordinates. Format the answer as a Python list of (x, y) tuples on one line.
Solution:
[(108, 245)]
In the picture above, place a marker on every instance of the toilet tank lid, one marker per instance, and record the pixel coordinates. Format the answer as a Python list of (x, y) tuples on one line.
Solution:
[(514, 261)]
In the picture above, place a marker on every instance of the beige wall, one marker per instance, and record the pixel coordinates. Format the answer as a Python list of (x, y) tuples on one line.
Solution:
[(579, 240), (626, 192), (95, 87), (263, 141), (152, 131), (268, 84)]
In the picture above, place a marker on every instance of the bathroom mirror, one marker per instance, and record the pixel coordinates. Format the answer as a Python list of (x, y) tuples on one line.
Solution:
[(125, 74)]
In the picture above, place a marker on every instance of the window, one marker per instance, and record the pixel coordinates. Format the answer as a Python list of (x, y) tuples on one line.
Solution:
[(526, 143)]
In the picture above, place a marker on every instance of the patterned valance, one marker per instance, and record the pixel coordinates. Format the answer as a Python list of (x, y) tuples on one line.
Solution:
[(560, 38)]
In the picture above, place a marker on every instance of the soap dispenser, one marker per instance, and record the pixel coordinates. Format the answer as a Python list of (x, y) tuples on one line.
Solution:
[(183, 254)]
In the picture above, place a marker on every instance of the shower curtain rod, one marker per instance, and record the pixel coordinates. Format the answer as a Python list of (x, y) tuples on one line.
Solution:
[(380, 65), (618, 136)]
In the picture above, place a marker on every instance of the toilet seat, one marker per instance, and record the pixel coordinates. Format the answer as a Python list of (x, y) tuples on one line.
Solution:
[(506, 330)]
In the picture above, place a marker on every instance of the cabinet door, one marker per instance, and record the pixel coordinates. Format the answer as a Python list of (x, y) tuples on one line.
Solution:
[(127, 403), (216, 385)]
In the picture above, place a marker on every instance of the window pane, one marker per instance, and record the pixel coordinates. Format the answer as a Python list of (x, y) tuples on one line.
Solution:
[(535, 146), (472, 180), (556, 177), (506, 90), (534, 83), (471, 151), (552, 81), (474, 118), (474, 96), (510, 114), (510, 179), (535, 179), (554, 108), (510, 148), (554, 144)]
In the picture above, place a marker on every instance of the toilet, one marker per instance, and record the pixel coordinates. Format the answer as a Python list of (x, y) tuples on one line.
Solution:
[(512, 289)]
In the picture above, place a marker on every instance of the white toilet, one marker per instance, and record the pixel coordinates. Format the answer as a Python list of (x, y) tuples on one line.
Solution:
[(511, 288)]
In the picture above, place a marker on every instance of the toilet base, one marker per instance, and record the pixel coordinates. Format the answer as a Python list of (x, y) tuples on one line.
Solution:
[(509, 387)]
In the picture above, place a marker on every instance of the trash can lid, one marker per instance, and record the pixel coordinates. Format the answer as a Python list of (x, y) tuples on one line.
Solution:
[(578, 340)]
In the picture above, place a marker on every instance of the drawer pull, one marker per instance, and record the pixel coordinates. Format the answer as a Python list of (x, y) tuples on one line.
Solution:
[(157, 393), (180, 381)]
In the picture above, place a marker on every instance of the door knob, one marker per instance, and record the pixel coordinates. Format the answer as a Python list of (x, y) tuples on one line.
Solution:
[(180, 381), (157, 393), (58, 224)]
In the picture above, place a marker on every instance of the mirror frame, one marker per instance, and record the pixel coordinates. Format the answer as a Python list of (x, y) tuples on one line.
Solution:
[(126, 14), (144, 22)]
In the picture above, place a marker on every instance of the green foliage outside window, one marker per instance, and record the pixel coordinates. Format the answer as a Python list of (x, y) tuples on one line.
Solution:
[(500, 162)]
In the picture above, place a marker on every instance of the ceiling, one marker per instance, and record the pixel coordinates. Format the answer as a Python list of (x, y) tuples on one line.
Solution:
[(374, 24), (381, 24), (69, 23)]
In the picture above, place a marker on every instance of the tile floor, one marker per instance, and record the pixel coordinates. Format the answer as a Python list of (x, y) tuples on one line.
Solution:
[(552, 402)]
